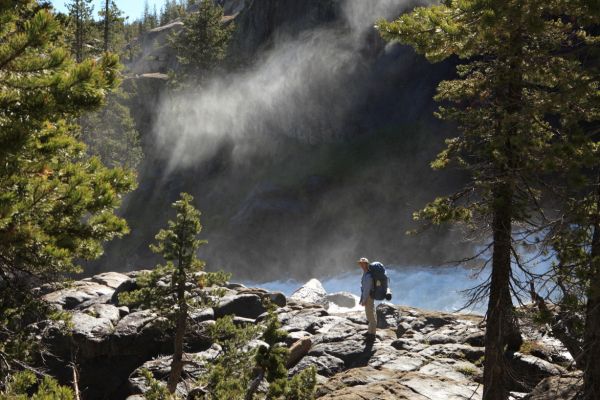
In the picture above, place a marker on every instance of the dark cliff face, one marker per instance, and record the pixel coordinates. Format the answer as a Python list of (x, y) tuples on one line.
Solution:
[(259, 22), (332, 177)]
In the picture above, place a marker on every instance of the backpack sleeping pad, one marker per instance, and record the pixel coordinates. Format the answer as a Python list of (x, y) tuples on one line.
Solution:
[(380, 280)]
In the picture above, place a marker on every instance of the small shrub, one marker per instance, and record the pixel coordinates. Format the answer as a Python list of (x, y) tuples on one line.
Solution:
[(467, 370), (479, 362), (25, 385), (530, 346), (157, 391)]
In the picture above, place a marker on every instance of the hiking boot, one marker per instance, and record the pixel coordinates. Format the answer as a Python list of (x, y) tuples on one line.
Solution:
[(370, 337)]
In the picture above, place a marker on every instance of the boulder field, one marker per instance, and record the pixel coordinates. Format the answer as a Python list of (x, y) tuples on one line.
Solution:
[(418, 354)]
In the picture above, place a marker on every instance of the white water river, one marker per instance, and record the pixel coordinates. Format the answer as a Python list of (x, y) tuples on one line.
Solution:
[(424, 287)]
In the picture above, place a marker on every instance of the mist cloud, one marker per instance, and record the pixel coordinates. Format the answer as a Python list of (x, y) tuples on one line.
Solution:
[(304, 87)]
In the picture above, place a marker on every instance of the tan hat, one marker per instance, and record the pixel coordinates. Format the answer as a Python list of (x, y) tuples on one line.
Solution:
[(363, 260)]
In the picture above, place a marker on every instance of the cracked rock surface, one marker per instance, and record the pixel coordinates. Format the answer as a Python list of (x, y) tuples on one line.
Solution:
[(417, 354)]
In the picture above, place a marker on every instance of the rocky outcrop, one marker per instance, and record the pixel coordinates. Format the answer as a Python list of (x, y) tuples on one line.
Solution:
[(259, 23), (311, 292), (157, 55), (417, 354), (557, 388)]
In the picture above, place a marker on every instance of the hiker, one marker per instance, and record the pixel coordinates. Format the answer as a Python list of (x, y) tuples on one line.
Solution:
[(366, 298)]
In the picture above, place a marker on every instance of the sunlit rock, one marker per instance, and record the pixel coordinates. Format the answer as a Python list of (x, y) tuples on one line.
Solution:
[(342, 299), (311, 292)]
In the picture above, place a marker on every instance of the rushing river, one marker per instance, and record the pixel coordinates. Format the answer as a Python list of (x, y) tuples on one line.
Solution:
[(423, 287)]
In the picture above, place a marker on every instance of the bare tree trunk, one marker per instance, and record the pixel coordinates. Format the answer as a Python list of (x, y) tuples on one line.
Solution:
[(75, 378), (561, 325), (502, 328), (177, 363), (255, 384), (591, 341), (106, 24), (494, 373), (78, 32)]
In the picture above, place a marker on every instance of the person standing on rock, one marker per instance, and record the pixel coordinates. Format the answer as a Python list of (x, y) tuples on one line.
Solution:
[(366, 298)]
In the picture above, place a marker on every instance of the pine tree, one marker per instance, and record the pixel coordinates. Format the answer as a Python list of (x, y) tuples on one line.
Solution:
[(239, 370), (56, 203), (512, 77), (202, 43), (81, 12), (110, 133), (154, 18), (271, 365), (146, 18), (171, 290), (171, 11), (107, 23), (575, 234), (114, 29), (21, 386)]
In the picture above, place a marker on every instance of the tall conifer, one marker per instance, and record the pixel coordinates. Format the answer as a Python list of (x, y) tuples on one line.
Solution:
[(514, 73), (56, 203), (81, 12)]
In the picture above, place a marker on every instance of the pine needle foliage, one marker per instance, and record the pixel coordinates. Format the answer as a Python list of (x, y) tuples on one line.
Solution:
[(271, 361), (156, 390), (228, 375), (110, 133), (171, 290), (56, 203), (25, 385), (241, 368), (516, 96), (202, 43)]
